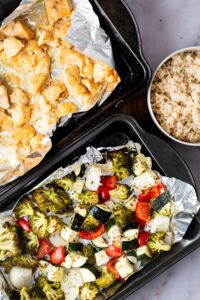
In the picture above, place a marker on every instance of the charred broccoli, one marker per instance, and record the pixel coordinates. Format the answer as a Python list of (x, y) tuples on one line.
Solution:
[(52, 199), (33, 293), (31, 242), (88, 251), (52, 290), (106, 279), (122, 215), (156, 243), (121, 162), (24, 208), (90, 223), (38, 223), (9, 241), (88, 199), (121, 192), (66, 182), (54, 274), (23, 260), (54, 224), (89, 291)]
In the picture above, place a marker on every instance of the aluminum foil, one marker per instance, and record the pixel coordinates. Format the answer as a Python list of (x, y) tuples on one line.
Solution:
[(88, 37), (183, 194)]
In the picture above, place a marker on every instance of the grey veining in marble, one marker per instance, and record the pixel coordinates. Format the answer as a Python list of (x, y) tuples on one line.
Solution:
[(166, 26)]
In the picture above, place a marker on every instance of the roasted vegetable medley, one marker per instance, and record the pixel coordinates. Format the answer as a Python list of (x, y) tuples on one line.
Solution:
[(78, 235)]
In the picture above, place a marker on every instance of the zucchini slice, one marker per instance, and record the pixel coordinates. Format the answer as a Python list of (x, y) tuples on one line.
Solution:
[(100, 242), (75, 247), (89, 273), (132, 256), (124, 267), (77, 222), (161, 201), (143, 255), (68, 234), (131, 233), (128, 244), (101, 212), (101, 258)]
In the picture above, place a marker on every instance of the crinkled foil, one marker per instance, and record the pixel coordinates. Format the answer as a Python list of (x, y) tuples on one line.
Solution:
[(87, 36), (182, 193)]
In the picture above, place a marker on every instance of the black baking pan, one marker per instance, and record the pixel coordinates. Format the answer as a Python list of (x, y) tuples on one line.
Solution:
[(115, 131), (131, 65)]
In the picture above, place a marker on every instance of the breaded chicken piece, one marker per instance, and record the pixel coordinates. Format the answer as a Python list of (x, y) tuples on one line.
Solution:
[(69, 56), (40, 108), (19, 96), (12, 46), (61, 28), (4, 100), (6, 123), (104, 73), (20, 114), (19, 29), (1, 45), (22, 135), (58, 9), (55, 92), (64, 109), (45, 36)]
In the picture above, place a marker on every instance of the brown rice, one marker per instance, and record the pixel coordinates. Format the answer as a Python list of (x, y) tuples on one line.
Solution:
[(175, 96)]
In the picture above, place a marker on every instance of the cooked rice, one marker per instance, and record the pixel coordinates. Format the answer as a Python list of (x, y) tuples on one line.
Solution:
[(175, 96)]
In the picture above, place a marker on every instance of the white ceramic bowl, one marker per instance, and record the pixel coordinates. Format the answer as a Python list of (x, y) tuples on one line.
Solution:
[(189, 49)]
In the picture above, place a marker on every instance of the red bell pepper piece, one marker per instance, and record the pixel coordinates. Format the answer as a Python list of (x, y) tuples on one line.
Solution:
[(57, 256), (91, 235), (103, 193), (24, 225), (143, 210), (152, 193), (112, 269), (110, 182), (140, 222), (143, 238), (44, 249), (114, 251)]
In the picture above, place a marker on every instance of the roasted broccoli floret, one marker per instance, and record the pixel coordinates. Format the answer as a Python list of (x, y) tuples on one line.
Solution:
[(33, 293), (52, 273), (156, 243), (90, 223), (38, 223), (88, 199), (9, 241), (106, 279), (52, 290), (122, 215), (88, 251), (24, 208), (54, 224), (121, 192), (121, 162), (52, 199), (66, 182), (31, 242), (89, 291), (23, 260)]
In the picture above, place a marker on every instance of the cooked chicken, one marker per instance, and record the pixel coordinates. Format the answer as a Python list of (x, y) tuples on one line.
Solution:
[(45, 36), (5, 121), (22, 135), (58, 9), (4, 101), (1, 45), (19, 96), (20, 114), (19, 29), (64, 109), (55, 92), (12, 46), (60, 28)]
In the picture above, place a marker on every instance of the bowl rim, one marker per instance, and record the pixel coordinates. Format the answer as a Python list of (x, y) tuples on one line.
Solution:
[(187, 49)]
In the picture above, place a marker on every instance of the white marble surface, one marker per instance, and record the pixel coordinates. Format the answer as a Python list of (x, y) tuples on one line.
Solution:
[(166, 26)]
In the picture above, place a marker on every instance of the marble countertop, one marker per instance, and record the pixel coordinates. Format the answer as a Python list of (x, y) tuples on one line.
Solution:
[(166, 26)]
